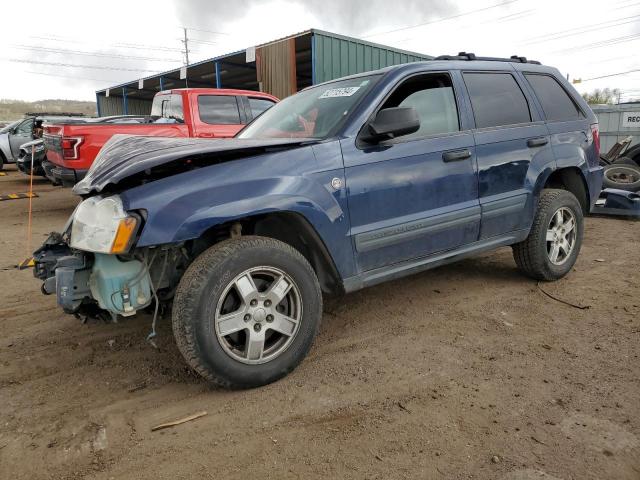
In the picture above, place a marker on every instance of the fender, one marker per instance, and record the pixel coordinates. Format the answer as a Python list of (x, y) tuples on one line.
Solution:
[(182, 207), (584, 173)]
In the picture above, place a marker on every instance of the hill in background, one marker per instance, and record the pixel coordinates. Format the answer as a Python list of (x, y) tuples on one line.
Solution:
[(15, 109)]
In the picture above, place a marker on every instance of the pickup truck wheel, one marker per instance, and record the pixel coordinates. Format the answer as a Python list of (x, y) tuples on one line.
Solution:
[(246, 312), (553, 244)]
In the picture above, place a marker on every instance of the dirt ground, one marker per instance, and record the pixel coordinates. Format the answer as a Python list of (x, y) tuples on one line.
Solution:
[(466, 371)]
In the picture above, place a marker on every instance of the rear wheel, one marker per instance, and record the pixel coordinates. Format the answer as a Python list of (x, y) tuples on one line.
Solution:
[(553, 244), (246, 312)]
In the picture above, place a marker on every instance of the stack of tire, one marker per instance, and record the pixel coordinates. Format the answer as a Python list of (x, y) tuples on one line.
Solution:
[(624, 172)]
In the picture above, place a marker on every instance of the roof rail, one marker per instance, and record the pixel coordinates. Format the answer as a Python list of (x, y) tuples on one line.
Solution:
[(472, 56)]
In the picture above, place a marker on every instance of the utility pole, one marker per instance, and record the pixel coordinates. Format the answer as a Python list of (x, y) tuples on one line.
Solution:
[(186, 46)]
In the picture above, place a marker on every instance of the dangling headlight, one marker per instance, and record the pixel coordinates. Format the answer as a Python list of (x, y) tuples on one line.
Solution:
[(101, 225)]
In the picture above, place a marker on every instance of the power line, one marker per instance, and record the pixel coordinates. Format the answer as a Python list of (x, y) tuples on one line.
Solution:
[(580, 30), (603, 43), (92, 54), (206, 31), (67, 76), (610, 75), (72, 65), (444, 19), (136, 46)]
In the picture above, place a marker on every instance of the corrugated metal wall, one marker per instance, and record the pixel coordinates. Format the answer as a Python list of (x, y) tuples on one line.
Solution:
[(337, 57), (611, 129), (276, 68), (115, 106)]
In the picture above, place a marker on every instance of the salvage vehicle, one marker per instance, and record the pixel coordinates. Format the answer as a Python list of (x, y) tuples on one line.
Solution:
[(341, 186), (32, 152), (14, 135), (10, 136), (183, 112)]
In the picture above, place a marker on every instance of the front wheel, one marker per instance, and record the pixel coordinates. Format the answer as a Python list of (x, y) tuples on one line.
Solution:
[(555, 238), (246, 312)]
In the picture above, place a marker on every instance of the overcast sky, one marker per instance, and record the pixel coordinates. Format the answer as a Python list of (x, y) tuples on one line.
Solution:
[(48, 49)]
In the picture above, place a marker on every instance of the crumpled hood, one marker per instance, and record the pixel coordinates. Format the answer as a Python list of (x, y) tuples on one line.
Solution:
[(126, 155)]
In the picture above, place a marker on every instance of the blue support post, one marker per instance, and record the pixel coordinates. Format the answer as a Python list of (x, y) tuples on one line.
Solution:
[(161, 84), (124, 101), (218, 79), (313, 59), (98, 104)]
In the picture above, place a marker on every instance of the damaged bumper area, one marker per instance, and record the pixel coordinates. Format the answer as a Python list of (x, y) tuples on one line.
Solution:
[(92, 284)]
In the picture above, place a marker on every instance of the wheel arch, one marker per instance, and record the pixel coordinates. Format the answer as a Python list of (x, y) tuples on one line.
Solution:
[(288, 227), (571, 179)]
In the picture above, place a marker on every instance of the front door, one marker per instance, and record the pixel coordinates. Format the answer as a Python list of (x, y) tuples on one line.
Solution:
[(21, 134), (417, 194)]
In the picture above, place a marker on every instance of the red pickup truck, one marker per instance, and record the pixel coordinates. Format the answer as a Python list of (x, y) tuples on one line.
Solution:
[(185, 112)]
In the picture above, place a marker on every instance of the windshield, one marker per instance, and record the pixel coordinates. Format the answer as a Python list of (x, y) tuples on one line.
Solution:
[(313, 113)]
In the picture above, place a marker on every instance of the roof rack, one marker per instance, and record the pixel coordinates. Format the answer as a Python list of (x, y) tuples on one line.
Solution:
[(472, 56)]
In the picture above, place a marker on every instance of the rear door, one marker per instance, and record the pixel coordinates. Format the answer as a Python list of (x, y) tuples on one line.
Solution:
[(512, 147), (569, 127), (417, 194), (218, 116)]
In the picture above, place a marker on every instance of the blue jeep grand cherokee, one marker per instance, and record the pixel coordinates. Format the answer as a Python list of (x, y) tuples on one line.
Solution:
[(341, 186)]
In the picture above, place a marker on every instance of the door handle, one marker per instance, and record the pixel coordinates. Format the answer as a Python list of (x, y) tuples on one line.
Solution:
[(206, 135), (537, 142), (456, 155)]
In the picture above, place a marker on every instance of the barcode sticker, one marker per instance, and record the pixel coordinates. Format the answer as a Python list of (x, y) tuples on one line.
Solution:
[(339, 92)]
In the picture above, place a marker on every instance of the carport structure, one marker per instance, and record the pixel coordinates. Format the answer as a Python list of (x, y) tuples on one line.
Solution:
[(281, 68)]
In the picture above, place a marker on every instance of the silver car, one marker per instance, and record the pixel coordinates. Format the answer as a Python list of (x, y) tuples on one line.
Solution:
[(11, 137)]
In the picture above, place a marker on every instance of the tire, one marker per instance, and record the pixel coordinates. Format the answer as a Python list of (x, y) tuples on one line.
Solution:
[(625, 161), (213, 283), (533, 256), (622, 177), (2, 161)]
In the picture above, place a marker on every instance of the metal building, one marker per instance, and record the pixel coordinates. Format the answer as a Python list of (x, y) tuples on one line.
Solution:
[(281, 68), (617, 122)]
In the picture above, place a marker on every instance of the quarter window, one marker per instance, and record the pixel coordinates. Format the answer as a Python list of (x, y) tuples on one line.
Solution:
[(259, 105), (555, 101), (433, 98), (496, 99), (219, 109)]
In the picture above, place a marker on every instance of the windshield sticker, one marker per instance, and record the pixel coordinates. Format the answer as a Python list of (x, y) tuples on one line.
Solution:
[(339, 92)]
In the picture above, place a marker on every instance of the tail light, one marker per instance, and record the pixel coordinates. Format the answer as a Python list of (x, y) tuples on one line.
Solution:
[(595, 131), (70, 147)]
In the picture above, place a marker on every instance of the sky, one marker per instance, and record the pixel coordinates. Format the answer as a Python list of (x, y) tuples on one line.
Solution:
[(73, 48)]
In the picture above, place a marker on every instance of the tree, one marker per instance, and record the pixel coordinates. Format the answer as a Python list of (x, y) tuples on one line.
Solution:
[(602, 96)]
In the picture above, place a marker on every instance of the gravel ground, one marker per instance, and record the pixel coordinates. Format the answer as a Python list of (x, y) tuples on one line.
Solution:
[(466, 371)]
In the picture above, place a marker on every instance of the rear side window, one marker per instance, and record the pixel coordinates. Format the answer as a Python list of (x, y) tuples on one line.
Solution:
[(555, 101), (219, 109), (496, 99), (167, 108), (433, 98), (259, 105)]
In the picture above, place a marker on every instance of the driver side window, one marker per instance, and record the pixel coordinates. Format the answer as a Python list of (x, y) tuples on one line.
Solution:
[(25, 128), (433, 98)]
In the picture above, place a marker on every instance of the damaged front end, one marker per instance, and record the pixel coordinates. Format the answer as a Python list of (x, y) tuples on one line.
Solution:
[(93, 269), (93, 284)]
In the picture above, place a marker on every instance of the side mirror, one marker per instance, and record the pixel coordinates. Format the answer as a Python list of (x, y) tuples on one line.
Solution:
[(391, 123)]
